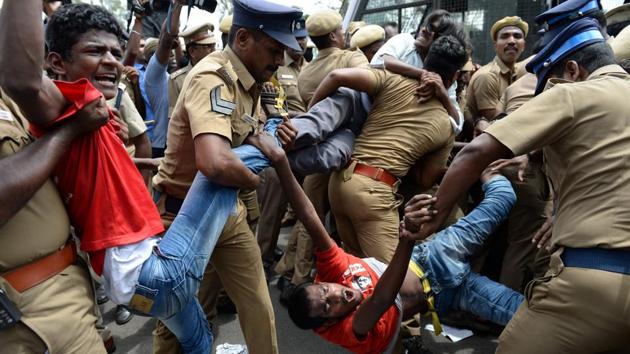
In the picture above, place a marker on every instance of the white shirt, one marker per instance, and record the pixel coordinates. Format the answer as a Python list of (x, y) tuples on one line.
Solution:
[(121, 269), (402, 47)]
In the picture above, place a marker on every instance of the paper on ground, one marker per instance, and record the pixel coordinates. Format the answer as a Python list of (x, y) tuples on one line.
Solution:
[(452, 333), (226, 348)]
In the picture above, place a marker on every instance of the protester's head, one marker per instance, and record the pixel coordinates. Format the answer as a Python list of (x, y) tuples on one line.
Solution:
[(84, 42), (313, 305), (391, 29), (437, 24), (446, 57), (324, 28), (260, 33), (574, 54), (509, 35)]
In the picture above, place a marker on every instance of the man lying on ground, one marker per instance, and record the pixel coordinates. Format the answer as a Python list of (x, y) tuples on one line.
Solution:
[(359, 303)]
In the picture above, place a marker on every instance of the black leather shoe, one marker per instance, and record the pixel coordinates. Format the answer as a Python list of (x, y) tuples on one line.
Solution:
[(283, 282), (123, 315)]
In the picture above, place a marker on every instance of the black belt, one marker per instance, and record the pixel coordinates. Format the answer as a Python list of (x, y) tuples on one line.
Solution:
[(172, 204), (609, 260)]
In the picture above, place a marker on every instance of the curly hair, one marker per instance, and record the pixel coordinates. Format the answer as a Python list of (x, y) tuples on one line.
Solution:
[(68, 23)]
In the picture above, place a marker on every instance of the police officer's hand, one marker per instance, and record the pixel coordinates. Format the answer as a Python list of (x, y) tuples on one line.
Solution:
[(543, 235), (417, 212), (267, 145), (122, 130), (518, 162), (287, 134), (93, 116)]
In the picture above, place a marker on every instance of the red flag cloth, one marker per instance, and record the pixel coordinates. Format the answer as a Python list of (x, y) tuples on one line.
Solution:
[(106, 197)]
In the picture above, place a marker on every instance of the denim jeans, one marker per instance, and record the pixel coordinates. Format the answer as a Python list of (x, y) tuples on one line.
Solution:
[(170, 278), (444, 259)]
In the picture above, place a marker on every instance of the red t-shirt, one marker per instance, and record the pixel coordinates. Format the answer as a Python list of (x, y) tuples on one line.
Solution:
[(107, 200), (336, 266)]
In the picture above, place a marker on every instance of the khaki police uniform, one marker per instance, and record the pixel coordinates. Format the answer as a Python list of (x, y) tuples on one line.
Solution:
[(532, 207), (397, 132), (487, 86), (130, 115), (58, 314), (220, 96), (287, 76), (583, 131), (175, 84), (316, 186)]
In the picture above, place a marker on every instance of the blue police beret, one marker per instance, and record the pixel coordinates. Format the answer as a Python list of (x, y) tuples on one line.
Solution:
[(300, 29), (554, 20), (277, 21), (575, 36)]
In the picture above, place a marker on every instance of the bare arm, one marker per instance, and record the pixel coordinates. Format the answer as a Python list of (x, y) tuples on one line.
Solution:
[(302, 206), (215, 159), (396, 66), (22, 58), (24, 172), (463, 172), (358, 79), (133, 45), (143, 151), (168, 35)]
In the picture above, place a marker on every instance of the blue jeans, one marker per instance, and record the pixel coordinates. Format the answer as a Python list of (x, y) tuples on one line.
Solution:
[(170, 278), (444, 259)]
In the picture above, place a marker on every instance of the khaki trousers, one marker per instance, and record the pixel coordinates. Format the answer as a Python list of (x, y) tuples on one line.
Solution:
[(273, 204), (366, 213), (237, 264), (527, 216), (570, 311), (58, 315), (298, 259)]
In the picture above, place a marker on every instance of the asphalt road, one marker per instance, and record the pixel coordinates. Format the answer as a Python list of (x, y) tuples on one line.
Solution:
[(135, 337)]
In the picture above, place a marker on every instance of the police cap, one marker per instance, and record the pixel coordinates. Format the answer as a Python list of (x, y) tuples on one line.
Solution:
[(300, 28), (323, 22), (575, 36), (367, 35), (275, 20), (508, 21), (554, 20), (225, 24), (200, 34)]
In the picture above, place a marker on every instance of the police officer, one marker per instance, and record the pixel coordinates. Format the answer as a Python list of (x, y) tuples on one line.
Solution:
[(215, 111), (488, 83), (39, 272), (272, 202), (581, 305), (199, 41), (369, 39)]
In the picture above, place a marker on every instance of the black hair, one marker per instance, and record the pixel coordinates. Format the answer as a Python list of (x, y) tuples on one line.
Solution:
[(390, 23), (443, 24), (591, 58), (446, 56), (615, 28), (299, 306), (600, 17), (71, 21), (232, 34), (322, 42)]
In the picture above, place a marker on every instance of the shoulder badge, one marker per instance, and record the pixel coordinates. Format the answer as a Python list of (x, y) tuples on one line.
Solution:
[(179, 72), (220, 105), (225, 75)]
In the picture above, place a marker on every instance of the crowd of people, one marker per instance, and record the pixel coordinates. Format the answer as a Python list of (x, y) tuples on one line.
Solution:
[(150, 169)]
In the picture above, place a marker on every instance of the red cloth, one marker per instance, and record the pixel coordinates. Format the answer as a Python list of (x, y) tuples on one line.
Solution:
[(107, 200), (336, 266)]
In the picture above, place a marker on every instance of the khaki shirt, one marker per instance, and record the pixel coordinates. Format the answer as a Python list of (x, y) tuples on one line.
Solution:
[(327, 60), (131, 116), (287, 77), (398, 130), (42, 226), (487, 86), (175, 84), (521, 91), (219, 96), (584, 132)]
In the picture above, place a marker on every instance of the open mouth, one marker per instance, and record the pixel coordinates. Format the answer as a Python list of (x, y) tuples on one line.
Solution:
[(108, 79), (349, 296)]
